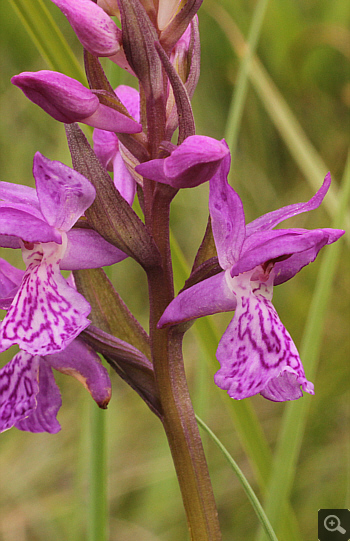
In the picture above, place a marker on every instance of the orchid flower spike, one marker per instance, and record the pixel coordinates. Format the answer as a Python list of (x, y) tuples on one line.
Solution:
[(193, 162), (68, 101), (256, 352), (29, 396), (46, 313)]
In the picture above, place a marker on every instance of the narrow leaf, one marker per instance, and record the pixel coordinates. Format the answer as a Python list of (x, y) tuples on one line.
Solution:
[(173, 32), (244, 482), (190, 78), (98, 81), (129, 363), (182, 100), (48, 38), (108, 311), (202, 272), (139, 36)]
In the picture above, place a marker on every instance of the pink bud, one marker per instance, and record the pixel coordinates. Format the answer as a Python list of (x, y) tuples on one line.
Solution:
[(63, 98), (95, 29), (195, 161), (68, 101)]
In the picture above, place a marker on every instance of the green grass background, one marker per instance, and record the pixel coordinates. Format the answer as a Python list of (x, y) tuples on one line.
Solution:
[(44, 481)]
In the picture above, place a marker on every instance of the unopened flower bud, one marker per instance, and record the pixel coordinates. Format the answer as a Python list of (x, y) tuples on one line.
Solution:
[(94, 28), (68, 101), (195, 161)]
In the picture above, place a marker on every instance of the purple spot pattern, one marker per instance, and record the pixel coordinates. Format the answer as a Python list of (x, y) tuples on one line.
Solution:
[(46, 313), (256, 348), (18, 389), (43, 417)]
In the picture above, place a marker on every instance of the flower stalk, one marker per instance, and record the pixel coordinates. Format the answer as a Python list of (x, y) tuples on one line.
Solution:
[(178, 416)]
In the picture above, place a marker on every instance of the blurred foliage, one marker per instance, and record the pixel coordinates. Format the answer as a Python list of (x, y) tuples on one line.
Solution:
[(304, 46)]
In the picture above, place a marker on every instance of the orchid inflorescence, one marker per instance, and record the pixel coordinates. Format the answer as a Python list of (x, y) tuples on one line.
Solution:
[(79, 220)]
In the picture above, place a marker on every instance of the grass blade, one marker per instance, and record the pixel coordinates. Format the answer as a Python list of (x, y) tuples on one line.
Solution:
[(48, 38), (299, 145), (244, 482), (97, 505), (241, 87)]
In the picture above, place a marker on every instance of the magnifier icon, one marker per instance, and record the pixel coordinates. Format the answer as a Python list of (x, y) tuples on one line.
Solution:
[(332, 524)]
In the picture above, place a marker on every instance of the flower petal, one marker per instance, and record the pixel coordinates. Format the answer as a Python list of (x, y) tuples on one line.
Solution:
[(86, 249), (81, 362), (256, 350), (269, 245), (227, 217), (153, 169), (18, 193), (68, 101), (9, 241), (46, 314), (62, 97), (95, 29), (43, 417), (64, 194), (109, 119), (195, 161), (207, 297), (271, 219), (106, 146), (10, 279), (18, 389), (130, 97), (123, 180), (286, 386), (18, 223), (286, 269)]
